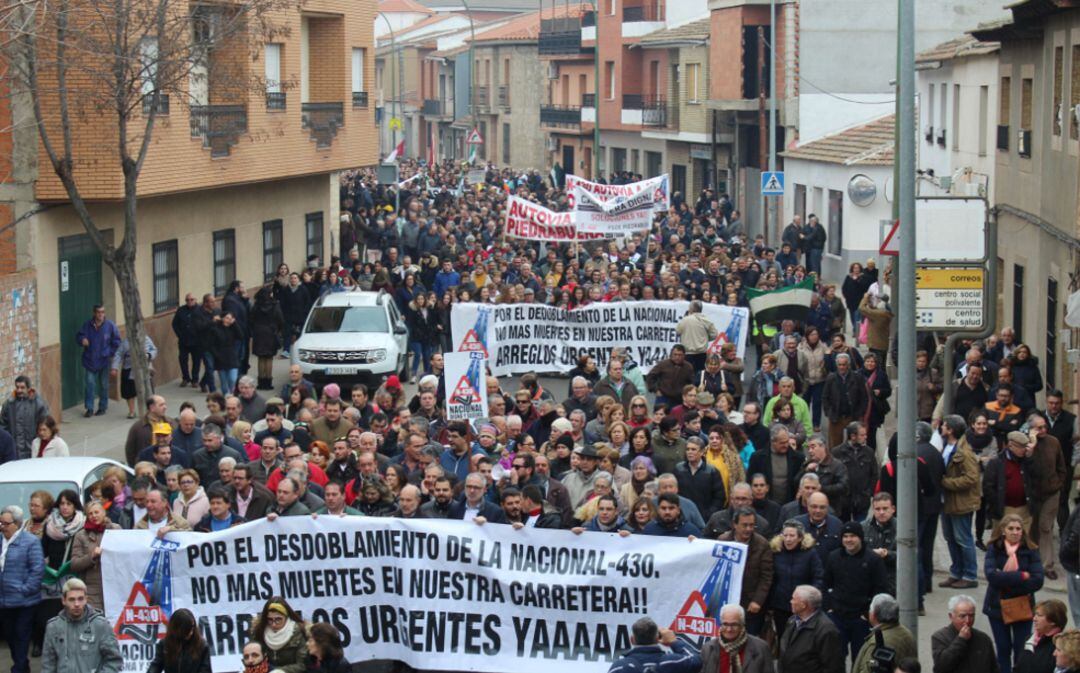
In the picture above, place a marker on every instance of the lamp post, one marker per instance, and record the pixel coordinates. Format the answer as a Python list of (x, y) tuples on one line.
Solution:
[(393, 115), (472, 68)]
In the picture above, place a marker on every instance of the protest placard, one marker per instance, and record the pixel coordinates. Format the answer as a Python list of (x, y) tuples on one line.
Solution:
[(525, 219), (466, 389)]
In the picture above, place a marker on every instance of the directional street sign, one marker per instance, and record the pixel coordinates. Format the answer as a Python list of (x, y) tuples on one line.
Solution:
[(395, 124), (949, 299), (772, 183)]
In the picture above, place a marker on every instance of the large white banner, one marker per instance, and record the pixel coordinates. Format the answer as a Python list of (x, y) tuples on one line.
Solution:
[(466, 389), (435, 594), (519, 338), (525, 219), (616, 217), (660, 185)]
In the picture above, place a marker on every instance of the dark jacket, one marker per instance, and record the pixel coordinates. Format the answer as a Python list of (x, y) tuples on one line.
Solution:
[(654, 659), (834, 481), (756, 656), (294, 304), (792, 568), (813, 647), (262, 501), (21, 416), (183, 326), (1048, 469), (993, 483), (844, 397), (206, 462), (770, 511), (682, 528), (827, 534), (705, 487), (185, 663), (953, 654), (883, 537), (1001, 584), (489, 510), (606, 387), (851, 580), (930, 491), (1026, 374), (667, 378), (205, 524), (223, 342), (862, 473), (720, 523), (7, 447), (266, 323), (758, 573), (20, 580), (761, 462), (1069, 554), (237, 304), (1039, 660), (104, 342)]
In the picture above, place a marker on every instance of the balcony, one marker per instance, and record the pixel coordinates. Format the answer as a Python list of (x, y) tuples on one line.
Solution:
[(588, 19), (657, 112), (219, 126), (1003, 137), (560, 36), (275, 100), (588, 100), (560, 115), (504, 98), (158, 103), (482, 99), (432, 108), (360, 99), (323, 121), (652, 11)]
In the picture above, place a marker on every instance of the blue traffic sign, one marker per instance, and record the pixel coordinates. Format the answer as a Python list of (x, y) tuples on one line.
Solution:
[(772, 183)]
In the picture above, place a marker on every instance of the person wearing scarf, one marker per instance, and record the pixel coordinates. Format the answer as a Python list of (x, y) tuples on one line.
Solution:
[(734, 650), (62, 524), (1051, 616), (86, 552), (255, 658), (1013, 570), (642, 472), (980, 438), (283, 636)]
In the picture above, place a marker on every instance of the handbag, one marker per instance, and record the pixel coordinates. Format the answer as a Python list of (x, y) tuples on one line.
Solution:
[(1016, 609), (864, 328)]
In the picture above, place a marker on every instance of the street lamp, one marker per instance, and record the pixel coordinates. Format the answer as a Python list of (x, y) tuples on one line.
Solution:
[(394, 114), (472, 68)]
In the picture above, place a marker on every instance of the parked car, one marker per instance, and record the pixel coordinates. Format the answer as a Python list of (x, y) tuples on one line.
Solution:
[(353, 336), (20, 478)]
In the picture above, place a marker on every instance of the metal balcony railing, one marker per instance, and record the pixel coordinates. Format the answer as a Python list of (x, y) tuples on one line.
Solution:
[(482, 98), (432, 107), (323, 121), (588, 100), (275, 100), (657, 112), (504, 97), (560, 115), (1003, 137), (560, 36), (650, 11), (219, 126), (359, 98), (159, 103)]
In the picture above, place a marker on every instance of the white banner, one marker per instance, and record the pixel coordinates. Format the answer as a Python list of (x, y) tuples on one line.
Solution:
[(466, 389), (525, 219), (518, 338), (435, 594), (621, 216), (661, 185)]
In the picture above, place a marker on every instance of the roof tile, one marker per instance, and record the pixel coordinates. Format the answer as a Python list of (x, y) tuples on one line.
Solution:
[(870, 144)]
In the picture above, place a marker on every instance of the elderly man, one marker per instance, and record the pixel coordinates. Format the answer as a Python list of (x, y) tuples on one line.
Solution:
[(1051, 475), (808, 485), (159, 518), (21, 571), (723, 521), (474, 506), (718, 655), (252, 404), (647, 655), (960, 647), (579, 483), (700, 481), (844, 398), (758, 573), (811, 643), (832, 474), (884, 617), (617, 385), (288, 500), (824, 527), (581, 397), (779, 463), (79, 639), (409, 503)]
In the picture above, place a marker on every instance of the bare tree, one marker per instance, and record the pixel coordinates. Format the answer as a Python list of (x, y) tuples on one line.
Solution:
[(115, 63)]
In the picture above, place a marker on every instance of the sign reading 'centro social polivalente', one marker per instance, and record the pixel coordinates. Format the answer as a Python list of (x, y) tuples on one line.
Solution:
[(949, 299)]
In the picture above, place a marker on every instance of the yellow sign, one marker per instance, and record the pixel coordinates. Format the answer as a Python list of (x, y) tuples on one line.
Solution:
[(949, 279), (395, 124)]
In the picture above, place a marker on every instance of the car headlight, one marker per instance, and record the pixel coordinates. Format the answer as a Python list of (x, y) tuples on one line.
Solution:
[(377, 355), (305, 355)]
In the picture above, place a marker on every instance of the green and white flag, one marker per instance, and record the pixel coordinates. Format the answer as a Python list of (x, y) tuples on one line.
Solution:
[(785, 303)]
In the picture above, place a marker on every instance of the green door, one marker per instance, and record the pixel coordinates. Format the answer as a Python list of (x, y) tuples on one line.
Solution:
[(80, 290)]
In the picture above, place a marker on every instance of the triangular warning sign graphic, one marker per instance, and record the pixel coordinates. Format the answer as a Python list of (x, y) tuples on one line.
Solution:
[(475, 138), (891, 244), (139, 620), (716, 344), (465, 393), (693, 618), (472, 343)]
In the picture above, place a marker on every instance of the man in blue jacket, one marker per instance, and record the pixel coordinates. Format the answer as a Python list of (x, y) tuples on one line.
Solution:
[(669, 519), (99, 339), (22, 564), (446, 279), (647, 654)]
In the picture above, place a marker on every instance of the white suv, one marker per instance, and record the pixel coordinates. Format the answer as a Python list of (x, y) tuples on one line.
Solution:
[(350, 336)]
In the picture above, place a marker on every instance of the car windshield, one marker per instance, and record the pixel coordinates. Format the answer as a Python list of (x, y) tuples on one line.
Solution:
[(348, 319), (18, 493)]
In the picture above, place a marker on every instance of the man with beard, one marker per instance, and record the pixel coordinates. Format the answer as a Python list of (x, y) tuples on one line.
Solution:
[(441, 496)]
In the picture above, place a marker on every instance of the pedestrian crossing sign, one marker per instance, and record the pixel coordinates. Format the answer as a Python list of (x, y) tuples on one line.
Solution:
[(772, 183)]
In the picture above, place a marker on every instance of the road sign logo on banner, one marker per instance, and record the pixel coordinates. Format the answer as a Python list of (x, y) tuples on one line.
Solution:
[(465, 393), (149, 605), (693, 618), (476, 338)]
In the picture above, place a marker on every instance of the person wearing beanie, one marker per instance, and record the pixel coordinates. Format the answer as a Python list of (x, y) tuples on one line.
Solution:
[(853, 576)]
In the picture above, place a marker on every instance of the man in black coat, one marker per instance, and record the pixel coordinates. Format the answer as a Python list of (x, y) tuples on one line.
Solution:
[(235, 302), (930, 503), (782, 487), (202, 322), (1062, 426), (699, 481), (853, 576), (187, 341), (862, 471), (751, 426), (474, 506), (811, 643), (843, 398)]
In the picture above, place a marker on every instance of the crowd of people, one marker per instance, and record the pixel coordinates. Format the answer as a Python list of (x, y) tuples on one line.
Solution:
[(782, 456)]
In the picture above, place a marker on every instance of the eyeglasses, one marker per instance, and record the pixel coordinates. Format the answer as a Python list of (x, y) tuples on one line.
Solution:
[(187, 482), (730, 625), (5, 524), (275, 619)]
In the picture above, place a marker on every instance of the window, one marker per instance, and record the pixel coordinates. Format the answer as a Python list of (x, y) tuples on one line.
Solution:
[(357, 70), (618, 159), (506, 144), (678, 178), (654, 162), (930, 114), (609, 79), (1057, 113), (693, 82), (1005, 95), (956, 117), (836, 221), (273, 68), (313, 230), (224, 259), (1050, 360), (984, 118), (1018, 302), (272, 248), (800, 201), (944, 105), (148, 54), (1027, 86), (635, 156), (483, 146), (166, 276), (1074, 111), (609, 7)]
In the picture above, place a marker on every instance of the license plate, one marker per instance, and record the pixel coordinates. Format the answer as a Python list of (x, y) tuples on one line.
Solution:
[(341, 371)]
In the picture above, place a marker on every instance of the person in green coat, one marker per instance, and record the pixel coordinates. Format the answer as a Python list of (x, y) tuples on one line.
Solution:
[(885, 618), (283, 635), (787, 392)]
